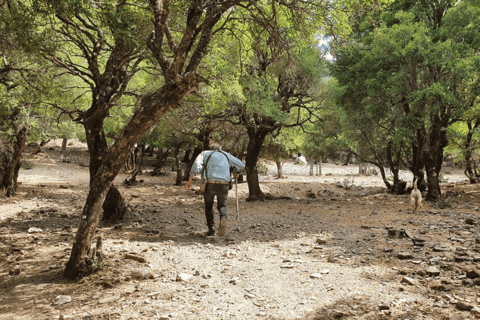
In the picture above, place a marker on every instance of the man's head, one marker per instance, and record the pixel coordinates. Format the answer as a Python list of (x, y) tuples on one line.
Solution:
[(215, 146)]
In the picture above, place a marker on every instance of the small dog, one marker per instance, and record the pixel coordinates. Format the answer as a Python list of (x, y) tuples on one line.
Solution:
[(415, 196)]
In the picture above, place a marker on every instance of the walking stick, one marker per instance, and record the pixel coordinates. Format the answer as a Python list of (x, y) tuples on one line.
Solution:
[(236, 193)]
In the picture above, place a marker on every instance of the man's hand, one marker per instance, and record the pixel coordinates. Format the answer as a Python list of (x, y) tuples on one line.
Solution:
[(189, 183), (235, 174)]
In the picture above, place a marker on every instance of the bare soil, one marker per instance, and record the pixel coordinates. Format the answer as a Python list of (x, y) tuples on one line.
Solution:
[(321, 252)]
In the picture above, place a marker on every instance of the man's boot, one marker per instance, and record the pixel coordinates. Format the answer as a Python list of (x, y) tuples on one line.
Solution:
[(222, 230), (210, 232)]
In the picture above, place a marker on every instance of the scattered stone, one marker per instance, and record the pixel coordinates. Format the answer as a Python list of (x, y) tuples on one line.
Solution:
[(321, 240), (440, 248), (135, 257), (15, 271), (34, 230), (108, 300), (421, 273), (234, 280), (462, 305), (433, 271), (316, 276), (140, 273), (408, 280), (404, 255), (472, 274), (61, 300), (183, 277), (384, 307), (396, 233), (437, 285), (459, 316), (470, 221)]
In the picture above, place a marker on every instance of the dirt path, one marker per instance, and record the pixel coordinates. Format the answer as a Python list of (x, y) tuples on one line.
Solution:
[(324, 253)]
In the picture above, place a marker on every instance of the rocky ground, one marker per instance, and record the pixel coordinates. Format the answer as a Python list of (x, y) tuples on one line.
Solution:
[(323, 252)]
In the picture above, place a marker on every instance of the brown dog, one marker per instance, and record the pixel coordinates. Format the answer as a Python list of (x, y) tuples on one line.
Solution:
[(415, 196)]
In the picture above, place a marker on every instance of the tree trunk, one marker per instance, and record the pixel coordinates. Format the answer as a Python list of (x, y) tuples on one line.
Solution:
[(433, 156), (363, 168), (319, 166), (384, 177), (114, 207), (393, 159), (186, 157), (178, 164), (255, 143), (279, 169), (469, 171), (186, 172), (11, 162), (347, 159), (64, 147), (418, 163), (162, 158), (311, 168), (154, 106)]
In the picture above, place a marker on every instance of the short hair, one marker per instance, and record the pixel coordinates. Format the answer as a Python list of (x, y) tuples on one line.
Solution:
[(215, 146)]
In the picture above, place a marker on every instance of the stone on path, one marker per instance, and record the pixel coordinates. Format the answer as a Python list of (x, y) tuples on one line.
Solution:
[(408, 280), (62, 299), (404, 255), (34, 230), (135, 257), (461, 305), (183, 277), (432, 270)]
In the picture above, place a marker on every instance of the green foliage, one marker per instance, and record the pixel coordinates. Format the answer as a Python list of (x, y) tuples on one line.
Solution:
[(26, 165), (284, 145)]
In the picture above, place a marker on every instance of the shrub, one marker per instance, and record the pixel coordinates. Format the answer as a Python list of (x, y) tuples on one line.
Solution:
[(27, 165)]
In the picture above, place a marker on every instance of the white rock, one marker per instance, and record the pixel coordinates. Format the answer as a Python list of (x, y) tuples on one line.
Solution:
[(183, 277), (35, 230), (139, 273), (62, 300)]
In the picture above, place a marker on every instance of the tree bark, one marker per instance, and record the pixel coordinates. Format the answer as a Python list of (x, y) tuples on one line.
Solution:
[(279, 169), (153, 107), (470, 171), (418, 164), (114, 207), (186, 157), (11, 162), (64, 147), (189, 165), (433, 156), (255, 143)]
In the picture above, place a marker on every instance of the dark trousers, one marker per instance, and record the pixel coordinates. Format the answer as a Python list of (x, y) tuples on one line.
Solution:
[(212, 190)]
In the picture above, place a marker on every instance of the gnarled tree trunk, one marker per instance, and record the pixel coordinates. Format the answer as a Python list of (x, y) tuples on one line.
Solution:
[(255, 143), (433, 156), (114, 207), (279, 168), (10, 162), (109, 164)]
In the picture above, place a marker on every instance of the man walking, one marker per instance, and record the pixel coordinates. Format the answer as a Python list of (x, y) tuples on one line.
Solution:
[(214, 165)]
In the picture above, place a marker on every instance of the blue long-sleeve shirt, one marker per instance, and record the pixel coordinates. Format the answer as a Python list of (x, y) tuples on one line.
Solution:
[(218, 167)]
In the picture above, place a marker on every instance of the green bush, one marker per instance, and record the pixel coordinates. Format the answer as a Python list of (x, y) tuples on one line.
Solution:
[(27, 165)]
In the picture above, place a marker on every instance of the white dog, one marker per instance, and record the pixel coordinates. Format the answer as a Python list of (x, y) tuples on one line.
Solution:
[(416, 196)]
